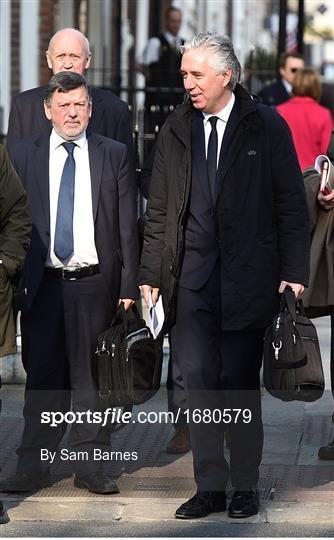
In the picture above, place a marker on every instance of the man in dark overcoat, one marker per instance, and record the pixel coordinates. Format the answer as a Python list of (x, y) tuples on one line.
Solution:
[(227, 230)]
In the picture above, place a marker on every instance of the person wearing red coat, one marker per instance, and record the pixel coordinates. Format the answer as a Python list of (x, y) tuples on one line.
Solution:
[(310, 123)]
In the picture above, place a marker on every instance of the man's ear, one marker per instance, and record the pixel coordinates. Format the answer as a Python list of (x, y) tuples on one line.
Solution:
[(227, 76), (88, 60), (47, 110)]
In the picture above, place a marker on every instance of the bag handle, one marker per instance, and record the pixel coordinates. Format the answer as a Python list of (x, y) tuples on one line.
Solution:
[(132, 314), (120, 318), (288, 301), (125, 317)]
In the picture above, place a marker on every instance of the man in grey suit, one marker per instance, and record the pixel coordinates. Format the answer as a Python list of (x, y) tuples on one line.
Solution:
[(69, 50), (82, 262)]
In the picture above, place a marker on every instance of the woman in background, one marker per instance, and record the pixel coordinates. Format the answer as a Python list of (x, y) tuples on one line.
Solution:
[(310, 123)]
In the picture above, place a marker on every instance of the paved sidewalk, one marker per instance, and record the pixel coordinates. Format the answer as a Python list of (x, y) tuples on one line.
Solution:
[(297, 490)]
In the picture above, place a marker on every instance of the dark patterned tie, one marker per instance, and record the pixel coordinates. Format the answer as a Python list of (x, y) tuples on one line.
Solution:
[(64, 243), (211, 159)]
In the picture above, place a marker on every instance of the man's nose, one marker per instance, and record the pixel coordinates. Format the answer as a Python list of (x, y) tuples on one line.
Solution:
[(67, 63), (188, 83), (72, 111)]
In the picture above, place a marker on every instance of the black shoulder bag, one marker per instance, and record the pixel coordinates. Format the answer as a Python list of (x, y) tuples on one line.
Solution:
[(127, 361), (292, 366)]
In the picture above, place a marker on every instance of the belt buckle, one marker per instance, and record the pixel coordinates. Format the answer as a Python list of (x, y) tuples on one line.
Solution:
[(65, 272)]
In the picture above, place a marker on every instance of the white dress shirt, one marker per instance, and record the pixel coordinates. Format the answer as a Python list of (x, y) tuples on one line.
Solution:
[(223, 117), (288, 86), (151, 52), (83, 223)]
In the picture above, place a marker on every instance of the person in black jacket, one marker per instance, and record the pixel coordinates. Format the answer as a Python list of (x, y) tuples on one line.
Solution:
[(160, 63), (227, 230), (69, 50), (280, 91)]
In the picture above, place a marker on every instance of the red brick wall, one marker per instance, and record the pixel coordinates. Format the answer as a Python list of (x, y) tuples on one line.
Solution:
[(48, 12), (15, 47)]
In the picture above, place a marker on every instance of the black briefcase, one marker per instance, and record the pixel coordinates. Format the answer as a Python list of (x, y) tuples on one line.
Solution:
[(292, 365), (127, 361)]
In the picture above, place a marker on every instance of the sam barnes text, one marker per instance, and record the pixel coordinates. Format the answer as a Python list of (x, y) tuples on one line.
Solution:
[(96, 455)]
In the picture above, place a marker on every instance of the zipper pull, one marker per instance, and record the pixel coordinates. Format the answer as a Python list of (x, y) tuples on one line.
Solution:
[(277, 347)]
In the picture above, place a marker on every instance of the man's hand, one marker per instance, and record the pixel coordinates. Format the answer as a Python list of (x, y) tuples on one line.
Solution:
[(128, 302), (297, 288), (146, 291), (326, 201)]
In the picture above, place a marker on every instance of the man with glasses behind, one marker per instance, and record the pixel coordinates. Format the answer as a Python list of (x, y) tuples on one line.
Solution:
[(280, 91)]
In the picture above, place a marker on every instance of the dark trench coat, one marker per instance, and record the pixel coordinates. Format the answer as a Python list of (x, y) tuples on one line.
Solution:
[(261, 214)]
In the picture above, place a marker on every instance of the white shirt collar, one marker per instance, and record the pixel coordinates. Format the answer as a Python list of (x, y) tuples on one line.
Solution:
[(56, 140), (287, 85), (224, 113), (172, 39)]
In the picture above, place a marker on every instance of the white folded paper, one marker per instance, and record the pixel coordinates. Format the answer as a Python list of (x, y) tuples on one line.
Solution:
[(157, 316)]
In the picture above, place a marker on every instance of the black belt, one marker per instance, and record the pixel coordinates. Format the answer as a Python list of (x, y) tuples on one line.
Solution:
[(76, 273)]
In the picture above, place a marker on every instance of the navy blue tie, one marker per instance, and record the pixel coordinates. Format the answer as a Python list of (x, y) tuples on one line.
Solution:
[(211, 159), (64, 243)]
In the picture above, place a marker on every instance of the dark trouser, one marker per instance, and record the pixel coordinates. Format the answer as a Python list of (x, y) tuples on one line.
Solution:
[(177, 402), (58, 342), (220, 371)]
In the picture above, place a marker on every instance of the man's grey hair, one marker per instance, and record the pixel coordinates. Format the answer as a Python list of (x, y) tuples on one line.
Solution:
[(222, 52), (64, 81)]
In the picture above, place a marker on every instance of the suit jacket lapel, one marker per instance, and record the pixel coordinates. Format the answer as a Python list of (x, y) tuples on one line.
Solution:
[(198, 153), (229, 148), (96, 161), (41, 166)]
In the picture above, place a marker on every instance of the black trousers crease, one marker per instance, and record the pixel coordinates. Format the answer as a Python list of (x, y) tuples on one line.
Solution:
[(59, 338), (220, 370)]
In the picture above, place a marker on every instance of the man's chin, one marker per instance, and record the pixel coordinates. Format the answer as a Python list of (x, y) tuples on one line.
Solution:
[(72, 134), (198, 104)]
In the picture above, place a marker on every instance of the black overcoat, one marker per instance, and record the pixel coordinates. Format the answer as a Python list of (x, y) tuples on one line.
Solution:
[(261, 214)]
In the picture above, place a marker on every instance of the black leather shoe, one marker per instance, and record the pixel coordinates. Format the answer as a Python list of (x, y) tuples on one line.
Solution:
[(202, 504), (244, 504), (327, 452), (26, 482), (96, 483)]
